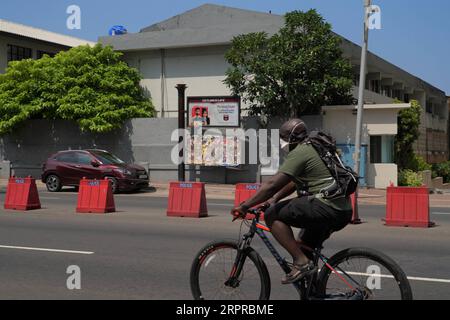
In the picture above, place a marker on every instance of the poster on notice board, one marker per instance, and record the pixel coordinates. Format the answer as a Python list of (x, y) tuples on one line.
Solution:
[(214, 111)]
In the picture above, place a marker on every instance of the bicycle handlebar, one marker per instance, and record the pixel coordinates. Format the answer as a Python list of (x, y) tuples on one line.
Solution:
[(256, 211)]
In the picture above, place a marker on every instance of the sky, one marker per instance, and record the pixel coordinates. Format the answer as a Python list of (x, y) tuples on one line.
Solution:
[(414, 34)]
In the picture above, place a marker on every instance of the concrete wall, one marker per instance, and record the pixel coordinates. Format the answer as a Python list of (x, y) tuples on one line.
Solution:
[(139, 140), (341, 123), (381, 175), (202, 69), (35, 45), (144, 141), (148, 142)]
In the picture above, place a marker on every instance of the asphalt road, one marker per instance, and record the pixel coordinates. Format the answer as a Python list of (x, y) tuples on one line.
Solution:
[(139, 253)]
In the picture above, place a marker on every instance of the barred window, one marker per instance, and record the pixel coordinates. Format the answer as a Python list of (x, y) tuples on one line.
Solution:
[(18, 53)]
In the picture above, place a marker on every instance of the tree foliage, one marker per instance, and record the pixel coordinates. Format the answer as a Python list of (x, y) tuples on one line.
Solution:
[(295, 71), (408, 133), (89, 85)]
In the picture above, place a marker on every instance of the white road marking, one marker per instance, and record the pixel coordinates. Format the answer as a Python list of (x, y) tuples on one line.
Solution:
[(441, 213), (47, 250), (371, 195), (392, 277)]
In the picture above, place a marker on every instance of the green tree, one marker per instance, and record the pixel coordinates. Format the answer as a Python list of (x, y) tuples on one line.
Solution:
[(408, 133), (89, 85), (295, 71)]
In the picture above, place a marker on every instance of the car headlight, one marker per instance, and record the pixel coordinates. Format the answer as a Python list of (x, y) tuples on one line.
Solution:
[(124, 171)]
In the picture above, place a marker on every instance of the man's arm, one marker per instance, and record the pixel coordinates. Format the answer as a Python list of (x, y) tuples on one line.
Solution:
[(285, 192), (268, 189)]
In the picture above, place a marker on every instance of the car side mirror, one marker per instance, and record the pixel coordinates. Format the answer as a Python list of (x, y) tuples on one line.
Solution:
[(95, 164)]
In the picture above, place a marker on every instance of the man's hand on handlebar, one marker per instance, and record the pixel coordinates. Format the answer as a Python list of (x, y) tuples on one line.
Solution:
[(239, 212), (242, 210)]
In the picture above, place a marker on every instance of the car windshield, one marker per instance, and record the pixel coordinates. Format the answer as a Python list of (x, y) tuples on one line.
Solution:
[(107, 158)]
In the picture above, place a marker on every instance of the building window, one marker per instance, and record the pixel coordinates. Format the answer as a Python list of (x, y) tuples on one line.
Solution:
[(386, 91), (429, 107), (375, 86), (381, 149), (40, 54), (18, 53), (397, 94)]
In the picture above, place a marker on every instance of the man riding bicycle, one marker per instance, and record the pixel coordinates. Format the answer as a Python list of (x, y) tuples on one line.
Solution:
[(305, 172)]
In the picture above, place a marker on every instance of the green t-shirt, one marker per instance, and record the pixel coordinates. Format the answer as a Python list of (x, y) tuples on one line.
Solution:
[(310, 173)]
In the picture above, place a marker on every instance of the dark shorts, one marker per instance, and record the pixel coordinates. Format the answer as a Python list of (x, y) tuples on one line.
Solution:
[(316, 219)]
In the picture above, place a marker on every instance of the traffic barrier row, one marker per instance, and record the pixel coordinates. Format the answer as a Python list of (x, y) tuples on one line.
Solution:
[(94, 196), (405, 206)]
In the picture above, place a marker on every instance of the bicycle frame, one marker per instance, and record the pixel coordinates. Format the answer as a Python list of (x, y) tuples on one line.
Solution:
[(303, 287)]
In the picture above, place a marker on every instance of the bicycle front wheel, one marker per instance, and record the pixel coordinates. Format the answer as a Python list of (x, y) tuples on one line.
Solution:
[(363, 274), (211, 271)]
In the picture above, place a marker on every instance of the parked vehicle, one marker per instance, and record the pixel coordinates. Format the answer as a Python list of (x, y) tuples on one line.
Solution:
[(67, 168)]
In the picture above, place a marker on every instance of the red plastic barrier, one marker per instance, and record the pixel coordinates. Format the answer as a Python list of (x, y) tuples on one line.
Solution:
[(408, 207), (22, 194), (95, 196), (187, 199), (245, 191)]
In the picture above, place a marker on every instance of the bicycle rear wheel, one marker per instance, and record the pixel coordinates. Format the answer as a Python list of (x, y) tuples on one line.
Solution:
[(212, 268), (363, 274)]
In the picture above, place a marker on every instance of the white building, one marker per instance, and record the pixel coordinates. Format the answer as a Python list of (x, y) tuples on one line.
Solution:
[(19, 42)]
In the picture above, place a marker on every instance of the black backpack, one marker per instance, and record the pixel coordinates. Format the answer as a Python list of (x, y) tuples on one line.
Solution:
[(346, 179)]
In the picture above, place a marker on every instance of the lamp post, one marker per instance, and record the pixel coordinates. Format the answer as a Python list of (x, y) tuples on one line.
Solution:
[(181, 126), (362, 85)]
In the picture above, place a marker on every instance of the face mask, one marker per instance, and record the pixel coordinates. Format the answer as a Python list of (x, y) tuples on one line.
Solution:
[(284, 145)]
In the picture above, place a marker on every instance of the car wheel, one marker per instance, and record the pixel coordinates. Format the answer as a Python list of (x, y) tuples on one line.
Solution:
[(53, 183), (114, 184)]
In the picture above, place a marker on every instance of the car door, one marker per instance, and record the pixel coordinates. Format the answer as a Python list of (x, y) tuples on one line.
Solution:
[(66, 168), (85, 167)]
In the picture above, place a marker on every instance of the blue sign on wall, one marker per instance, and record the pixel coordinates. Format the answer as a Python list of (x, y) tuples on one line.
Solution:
[(347, 151)]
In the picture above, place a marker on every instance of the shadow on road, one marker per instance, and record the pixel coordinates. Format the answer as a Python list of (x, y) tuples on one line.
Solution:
[(141, 191), (69, 190)]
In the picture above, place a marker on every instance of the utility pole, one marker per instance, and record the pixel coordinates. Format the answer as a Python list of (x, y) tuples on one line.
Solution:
[(181, 126), (362, 85)]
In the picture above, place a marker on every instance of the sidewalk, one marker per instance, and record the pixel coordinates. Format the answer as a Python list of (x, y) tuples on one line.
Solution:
[(367, 196)]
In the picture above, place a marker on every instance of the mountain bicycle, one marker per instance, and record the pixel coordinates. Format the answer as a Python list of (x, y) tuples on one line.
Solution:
[(233, 270)]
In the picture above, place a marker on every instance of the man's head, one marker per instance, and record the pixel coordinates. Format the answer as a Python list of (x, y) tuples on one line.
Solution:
[(292, 133)]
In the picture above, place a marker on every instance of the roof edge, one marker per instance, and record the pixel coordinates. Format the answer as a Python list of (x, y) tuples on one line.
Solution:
[(41, 34)]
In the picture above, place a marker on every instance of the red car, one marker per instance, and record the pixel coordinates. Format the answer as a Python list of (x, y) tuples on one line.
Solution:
[(67, 168)]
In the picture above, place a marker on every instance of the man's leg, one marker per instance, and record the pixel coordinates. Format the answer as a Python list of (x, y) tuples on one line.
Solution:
[(284, 234), (285, 237)]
